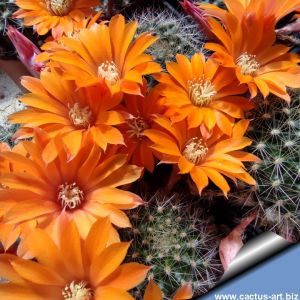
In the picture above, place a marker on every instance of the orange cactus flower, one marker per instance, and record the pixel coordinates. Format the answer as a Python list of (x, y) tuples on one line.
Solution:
[(248, 48), (204, 157), (52, 45), (60, 16), (82, 189), (9, 233), (203, 92), (71, 269), (266, 9), (153, 292), (142, 110), (120, 62), (59, 108)]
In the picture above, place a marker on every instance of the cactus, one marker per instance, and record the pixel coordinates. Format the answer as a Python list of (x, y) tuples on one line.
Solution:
[(176, 243), (7, 8), (276, 135), (177, 33)]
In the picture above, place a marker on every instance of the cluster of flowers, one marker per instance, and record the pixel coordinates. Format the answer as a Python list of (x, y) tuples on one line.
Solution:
[(95, 123)]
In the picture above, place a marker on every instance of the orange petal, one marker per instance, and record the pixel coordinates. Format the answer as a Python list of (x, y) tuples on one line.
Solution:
[(29, 209), (72, 142), (111, 293), (184, 165), (124, 175), (127, 276), (112, 135), (39, 240), (7, 271), (244, 156), (153, 292), (200, 178), (110, 118), (163, 143), (8, 235), (113, 196), (109, 166), (97, 239), (70, 245), (224, 123), (37, 273), (240, 128), (217, 179), (11, 291), (50, 151), (184, 292), (116, 216), (109, 260)]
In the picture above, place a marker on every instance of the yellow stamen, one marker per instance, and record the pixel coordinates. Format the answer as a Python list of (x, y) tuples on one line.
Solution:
[(137, 126), (201, 91), (109, 71), (70, 196), (59, 7), (77, 291), (248, 64), (195, 150), (80, 116)]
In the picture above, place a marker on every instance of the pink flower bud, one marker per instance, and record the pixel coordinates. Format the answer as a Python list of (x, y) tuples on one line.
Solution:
[(199, 16), (27, 51)]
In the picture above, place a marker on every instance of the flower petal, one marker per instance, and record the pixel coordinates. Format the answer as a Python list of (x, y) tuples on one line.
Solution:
[(153, 292), (103, 293), (127, 276), (37, 273), (107, 262)]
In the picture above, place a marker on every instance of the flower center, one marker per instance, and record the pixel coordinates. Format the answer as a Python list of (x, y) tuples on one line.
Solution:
[(80, 116), (195, 150), (70, 196), (248, 64), (59, 7), (109, 71), (137, 126), (201, 91), (77, 291)]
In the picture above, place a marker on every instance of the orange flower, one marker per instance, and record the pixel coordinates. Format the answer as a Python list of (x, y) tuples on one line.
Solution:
[(153, 292), (202, 92), (266, 9), (120, 62), (82, 189), (62, 16), (59, 108), (204, 157), (72, 269), (248, 48), (142, 110), (9, 233)]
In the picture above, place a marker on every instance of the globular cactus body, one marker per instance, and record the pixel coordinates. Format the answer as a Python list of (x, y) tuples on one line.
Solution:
[(276, 135), (178, 34), (175, 243)]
